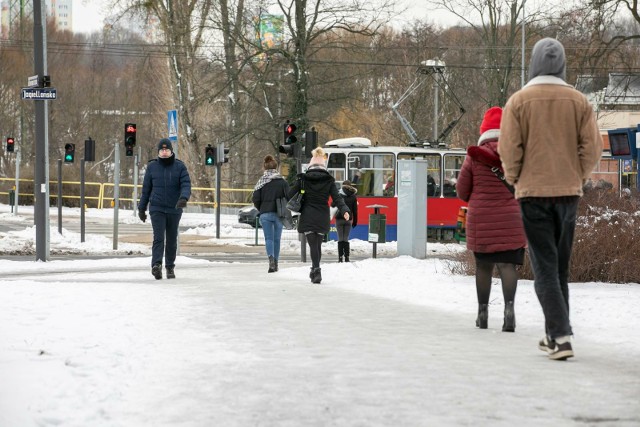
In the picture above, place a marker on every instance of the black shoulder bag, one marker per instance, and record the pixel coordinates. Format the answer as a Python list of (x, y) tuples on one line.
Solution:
[(295, 203)]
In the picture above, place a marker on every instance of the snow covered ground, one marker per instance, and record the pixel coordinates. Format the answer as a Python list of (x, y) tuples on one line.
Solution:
[(382, 342)]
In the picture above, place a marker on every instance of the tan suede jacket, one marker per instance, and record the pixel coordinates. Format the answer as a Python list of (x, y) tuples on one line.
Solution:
[(549, 139)]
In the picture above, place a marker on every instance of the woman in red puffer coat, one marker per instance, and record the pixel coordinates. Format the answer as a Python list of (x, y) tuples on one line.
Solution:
[(494, 228)]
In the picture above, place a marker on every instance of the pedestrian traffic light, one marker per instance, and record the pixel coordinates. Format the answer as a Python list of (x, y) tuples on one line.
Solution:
[(209, 155), (89, 150), (129, 138), (288, 147), (11, 145), (289, 133), (310, 141), (69, 153), (223, 153)]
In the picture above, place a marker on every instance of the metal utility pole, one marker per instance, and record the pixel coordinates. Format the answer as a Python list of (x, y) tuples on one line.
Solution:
[(302, 237), (136, 163), (219, 162), (82, 219), (523, 44), (41, 168), (116, 195)]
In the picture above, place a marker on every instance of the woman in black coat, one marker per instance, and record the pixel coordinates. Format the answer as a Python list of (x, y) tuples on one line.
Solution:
[(314, 215), (344, 226), (270, 187)]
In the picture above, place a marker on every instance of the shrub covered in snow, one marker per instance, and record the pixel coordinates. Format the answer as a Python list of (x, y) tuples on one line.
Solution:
[(606, 246)]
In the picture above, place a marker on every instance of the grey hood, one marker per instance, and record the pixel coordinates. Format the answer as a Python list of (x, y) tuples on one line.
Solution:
[(547, 59)]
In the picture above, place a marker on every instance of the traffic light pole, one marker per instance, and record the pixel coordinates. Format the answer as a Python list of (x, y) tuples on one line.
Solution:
[(218, 192), (59, 196), (303, 237), (82, 200), (136, 165), (41, 167), (116, 195), (17, 184)]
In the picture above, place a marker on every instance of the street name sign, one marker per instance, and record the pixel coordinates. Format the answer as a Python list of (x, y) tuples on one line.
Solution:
[(39, 94), (32, 81)]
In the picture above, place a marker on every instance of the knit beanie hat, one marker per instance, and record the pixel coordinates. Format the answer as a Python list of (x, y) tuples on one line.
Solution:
[(547, 59), (165, 143), (491, 119)]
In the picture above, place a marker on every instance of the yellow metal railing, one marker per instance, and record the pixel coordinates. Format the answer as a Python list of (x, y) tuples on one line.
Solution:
[(105, 193), (53, 189)]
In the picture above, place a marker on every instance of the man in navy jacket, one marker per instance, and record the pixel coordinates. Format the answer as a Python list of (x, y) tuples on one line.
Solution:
[(166, 189)]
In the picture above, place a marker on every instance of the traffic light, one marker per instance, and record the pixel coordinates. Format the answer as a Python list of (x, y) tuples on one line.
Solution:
[(11, 145), (289, 146), (222, 153), (69, 153), (129, 138), (310, 141), (89, 150), (209, 155)]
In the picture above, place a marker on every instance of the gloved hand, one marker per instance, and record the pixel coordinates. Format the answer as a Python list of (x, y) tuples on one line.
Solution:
[(182, 203), (142, 215)]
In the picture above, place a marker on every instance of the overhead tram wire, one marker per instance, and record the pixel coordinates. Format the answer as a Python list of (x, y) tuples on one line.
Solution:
[(129, 46), (160, 51)]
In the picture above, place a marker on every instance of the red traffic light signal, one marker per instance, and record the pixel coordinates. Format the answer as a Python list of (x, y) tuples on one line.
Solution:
[(11, 144), (130, 131), (289, 131), (289, 147)]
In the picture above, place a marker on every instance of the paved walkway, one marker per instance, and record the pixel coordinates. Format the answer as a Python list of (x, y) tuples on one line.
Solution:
[(228, 345)]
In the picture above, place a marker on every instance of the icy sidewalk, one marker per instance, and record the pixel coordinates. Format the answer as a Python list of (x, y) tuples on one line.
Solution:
[(379, 343)]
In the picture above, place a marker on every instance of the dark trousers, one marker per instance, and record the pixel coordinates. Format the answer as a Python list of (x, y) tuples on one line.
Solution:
[(550, 228), (315, 248), (343, 228), (164, 224)]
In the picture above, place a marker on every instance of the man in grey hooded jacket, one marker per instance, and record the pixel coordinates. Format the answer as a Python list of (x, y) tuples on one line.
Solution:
[(549, 145)]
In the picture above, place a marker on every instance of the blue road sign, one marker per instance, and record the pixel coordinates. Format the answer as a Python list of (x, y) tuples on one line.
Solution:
[(39, 94), (172, 124)]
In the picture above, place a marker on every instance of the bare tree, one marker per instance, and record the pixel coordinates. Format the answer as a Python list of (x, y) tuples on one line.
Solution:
[(181, 24), (307, 25)]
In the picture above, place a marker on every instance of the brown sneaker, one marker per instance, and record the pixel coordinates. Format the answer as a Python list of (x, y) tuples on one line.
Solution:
[(544, 344), (560, 351)]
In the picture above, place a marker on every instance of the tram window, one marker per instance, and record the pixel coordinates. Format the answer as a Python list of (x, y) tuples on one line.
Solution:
[(336, 166), (336, 161), (355, 171), (434, 165), (370, 173), (452, 165)]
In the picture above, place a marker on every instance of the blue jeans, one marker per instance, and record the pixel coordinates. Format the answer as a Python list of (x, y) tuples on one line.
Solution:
[(272, 229), (550, 228), (164, 224)]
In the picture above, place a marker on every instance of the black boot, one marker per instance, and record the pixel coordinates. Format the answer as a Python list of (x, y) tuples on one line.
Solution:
[(316, 276), (340, 251), (483, 316), (276, 264), (171, 274), (311, 273), (156, 270), (347, 249), (272, 264), (509, 324)]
